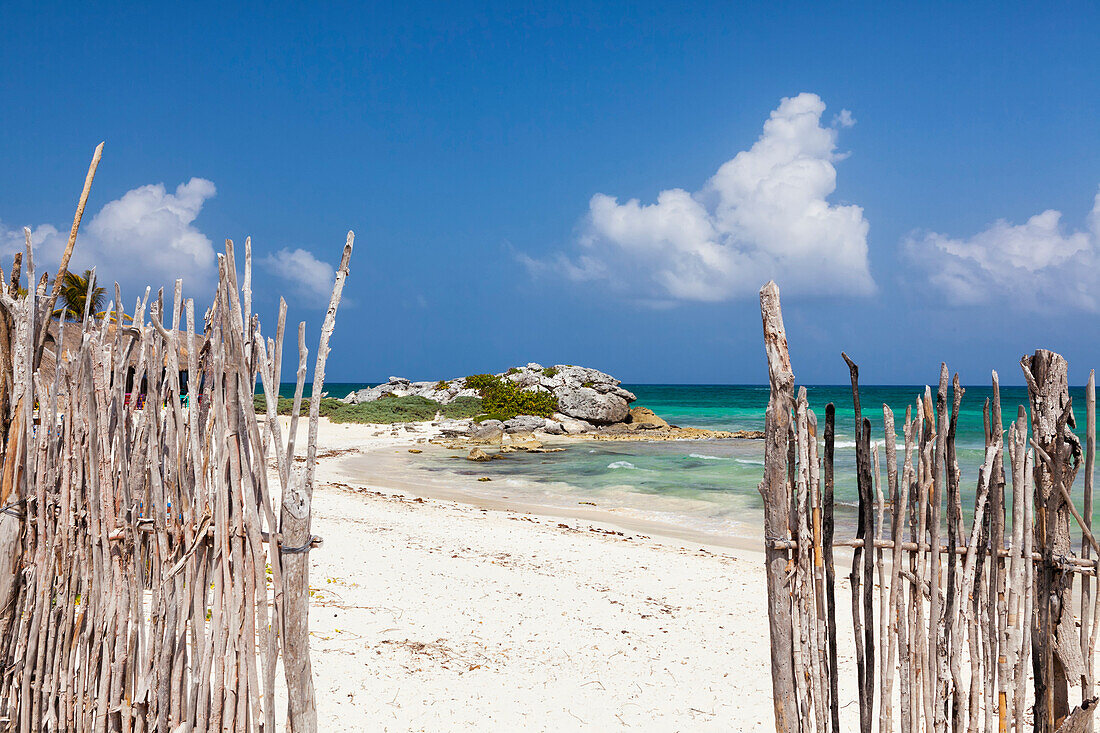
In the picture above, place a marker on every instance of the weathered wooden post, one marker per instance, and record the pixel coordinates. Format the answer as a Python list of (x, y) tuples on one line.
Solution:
[(1057, 653), (774, 490), (295, 530)]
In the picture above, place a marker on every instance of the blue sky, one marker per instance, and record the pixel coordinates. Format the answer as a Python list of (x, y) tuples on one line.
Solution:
[(465, 144)]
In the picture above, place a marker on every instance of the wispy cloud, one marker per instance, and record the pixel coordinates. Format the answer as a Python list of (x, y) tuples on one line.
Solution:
[(311, 277), (765, 214), (1032, 265)]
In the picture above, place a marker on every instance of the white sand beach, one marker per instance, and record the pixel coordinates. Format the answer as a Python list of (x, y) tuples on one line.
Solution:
[(438, 613)]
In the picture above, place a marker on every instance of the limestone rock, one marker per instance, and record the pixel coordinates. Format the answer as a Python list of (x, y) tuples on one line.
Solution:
[(575, 376), (583, 394), (571, 425), (645, 419), (524, 423), (524, 378), (588, 404), (476, 454), (521, 440), (553, 427), (454, 428), (489, 431)]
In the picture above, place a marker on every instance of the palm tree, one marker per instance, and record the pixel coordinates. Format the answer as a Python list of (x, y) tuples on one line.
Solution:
[(75, 296)]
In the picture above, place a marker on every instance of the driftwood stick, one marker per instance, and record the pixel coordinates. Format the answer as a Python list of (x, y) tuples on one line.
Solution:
[(806, 673), (773, 489), (883, 611), (863, 621), (926, 670), (904, 607), (62, 268), (995, 599), (830, 569), (954, 527), (1086, 533), (936, 637), (899, 497), (294, 527), (1017, 570), (822, 687), (1088, 619)]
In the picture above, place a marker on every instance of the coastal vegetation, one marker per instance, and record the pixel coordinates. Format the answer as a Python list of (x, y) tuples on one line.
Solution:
[(411, 408), (575, 398), (498, 399), (504, 399)]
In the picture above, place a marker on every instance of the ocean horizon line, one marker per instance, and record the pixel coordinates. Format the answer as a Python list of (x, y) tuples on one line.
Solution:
[(807, 385)]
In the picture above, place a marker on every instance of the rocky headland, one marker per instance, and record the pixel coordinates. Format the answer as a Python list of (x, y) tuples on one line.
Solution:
[(576, 401)]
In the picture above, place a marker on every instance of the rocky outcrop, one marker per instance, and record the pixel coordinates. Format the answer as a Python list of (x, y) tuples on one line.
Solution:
[(582, 393), (572, 425), (524, 424), (585, 403), (490, 431), (476, 454), (643, 418), (520, 441), (443, 392), (590, 403)]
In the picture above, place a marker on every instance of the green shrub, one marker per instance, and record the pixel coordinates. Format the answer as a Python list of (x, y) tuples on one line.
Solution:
[(412, 408), (514, 370), (549, 372), (480, 381), (329, 405), (442, 384), (588, 384), (502, 399), (462, 408)]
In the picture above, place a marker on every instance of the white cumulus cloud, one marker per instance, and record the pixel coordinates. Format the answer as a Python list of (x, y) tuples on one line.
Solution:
[(1033, 265), (146, 237), (764, 215), (312, 278)]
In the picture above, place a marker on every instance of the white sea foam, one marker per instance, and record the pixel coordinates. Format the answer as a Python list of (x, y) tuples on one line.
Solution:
[(747, 461), (879, 443), (621, 464)]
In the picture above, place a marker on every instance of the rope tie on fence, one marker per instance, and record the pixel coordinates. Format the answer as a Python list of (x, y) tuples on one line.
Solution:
[(313, 539), (7, 508)]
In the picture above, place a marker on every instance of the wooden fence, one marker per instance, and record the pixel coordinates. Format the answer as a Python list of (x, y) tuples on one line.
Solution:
[(980, 628), (150, 575)]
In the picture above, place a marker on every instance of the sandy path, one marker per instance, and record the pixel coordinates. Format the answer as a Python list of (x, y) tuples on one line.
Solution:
[(438, 615)]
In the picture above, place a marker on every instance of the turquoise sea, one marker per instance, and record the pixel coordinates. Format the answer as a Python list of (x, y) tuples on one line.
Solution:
[(712, 485)]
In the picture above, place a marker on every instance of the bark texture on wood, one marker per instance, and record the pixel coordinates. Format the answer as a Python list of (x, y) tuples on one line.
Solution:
[(830, 569), (774, 490), (1054, 635)]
